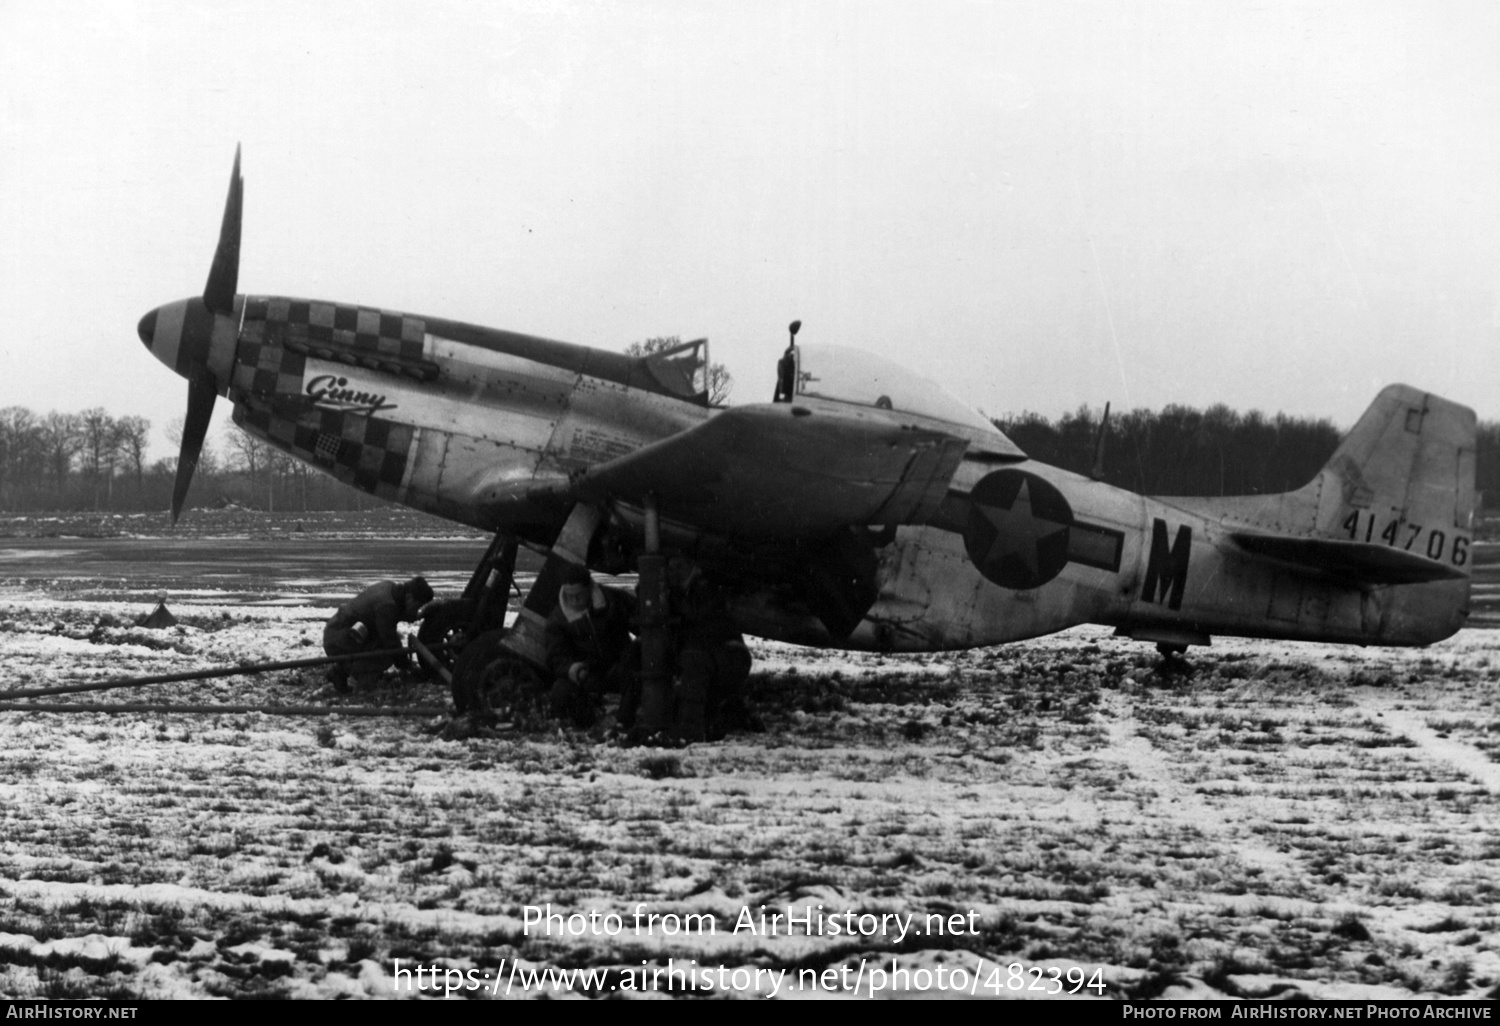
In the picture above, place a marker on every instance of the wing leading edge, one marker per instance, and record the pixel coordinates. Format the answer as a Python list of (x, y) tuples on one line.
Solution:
[(777, 470)]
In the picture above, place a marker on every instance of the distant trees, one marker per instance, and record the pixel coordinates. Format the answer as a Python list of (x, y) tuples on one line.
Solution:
[(99, 443), (132, 434), (1184, 451), (22, 455), (270, 479), (246, 453), (93, 460), (74, 461), (59, 436)]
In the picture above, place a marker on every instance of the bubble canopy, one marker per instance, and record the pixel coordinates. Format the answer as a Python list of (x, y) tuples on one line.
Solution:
[(847, 375)]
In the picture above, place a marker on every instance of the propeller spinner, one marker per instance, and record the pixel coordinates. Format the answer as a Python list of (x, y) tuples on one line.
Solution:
[(197, 338)]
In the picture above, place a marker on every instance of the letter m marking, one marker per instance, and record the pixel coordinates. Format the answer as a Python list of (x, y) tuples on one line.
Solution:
[(1166, 569)]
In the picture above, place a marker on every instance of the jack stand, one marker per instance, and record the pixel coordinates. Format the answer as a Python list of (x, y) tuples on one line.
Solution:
[(655, 715)]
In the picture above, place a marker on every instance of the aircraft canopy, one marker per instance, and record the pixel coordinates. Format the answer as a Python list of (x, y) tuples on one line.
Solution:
[(847, 375)]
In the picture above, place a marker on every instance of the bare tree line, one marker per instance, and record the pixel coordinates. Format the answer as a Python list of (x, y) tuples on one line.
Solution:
[(1218, 451), (93, 460), (82, 456)]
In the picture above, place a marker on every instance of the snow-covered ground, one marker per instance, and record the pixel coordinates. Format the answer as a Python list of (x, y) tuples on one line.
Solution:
[(1004, 822)]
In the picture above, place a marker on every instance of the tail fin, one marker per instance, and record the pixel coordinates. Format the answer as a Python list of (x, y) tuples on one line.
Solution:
[(1395, 504), (1376, 548), (1403, 477)]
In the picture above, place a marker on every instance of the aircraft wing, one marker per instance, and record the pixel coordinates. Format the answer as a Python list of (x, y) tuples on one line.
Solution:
[(1348, 561), (776, 470)]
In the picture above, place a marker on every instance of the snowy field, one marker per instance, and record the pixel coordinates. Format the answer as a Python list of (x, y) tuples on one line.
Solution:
[(1053, 816)]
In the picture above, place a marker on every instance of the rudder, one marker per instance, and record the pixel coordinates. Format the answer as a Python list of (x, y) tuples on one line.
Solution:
[(1376, 548), (1404, 477)]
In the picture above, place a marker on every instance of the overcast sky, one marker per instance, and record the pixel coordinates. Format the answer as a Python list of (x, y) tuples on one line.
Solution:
[(1273, 205)]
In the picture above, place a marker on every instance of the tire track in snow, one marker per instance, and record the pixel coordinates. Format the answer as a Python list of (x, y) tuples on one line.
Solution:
[(1413, 723), (1178, 801)]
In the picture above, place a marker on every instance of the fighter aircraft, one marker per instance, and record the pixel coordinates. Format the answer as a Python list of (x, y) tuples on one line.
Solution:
[(862, 508)]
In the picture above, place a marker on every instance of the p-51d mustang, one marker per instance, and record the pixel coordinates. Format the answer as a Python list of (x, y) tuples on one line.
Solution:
[(863, 509)]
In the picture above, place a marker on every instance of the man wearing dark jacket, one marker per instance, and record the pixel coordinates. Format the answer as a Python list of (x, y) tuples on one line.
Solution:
[(713, 661), (589, 647), (367, 623)]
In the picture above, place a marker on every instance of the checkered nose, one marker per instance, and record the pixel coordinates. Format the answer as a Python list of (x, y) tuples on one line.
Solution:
[(182, 336), (161, 331)]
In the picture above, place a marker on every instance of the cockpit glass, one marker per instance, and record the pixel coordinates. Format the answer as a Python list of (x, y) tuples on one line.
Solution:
[(853, 376)]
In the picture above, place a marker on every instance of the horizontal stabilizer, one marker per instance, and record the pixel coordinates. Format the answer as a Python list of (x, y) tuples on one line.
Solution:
[(775, 470), (1352, 562)]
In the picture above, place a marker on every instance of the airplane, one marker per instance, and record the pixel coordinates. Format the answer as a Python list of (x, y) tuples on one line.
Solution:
[(862, 508)]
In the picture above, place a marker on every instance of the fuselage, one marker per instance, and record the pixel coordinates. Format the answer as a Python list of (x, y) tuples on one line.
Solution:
[(489, 428), (1149, 567)]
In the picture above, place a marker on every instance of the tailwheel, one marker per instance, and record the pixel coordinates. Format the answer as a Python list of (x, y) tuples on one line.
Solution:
[(1173, 661)]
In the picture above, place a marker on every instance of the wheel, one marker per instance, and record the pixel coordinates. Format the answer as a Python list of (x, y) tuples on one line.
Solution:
[(445, 621), (493, 682)]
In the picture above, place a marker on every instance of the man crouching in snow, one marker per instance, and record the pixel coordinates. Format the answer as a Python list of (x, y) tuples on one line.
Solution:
[(589, 648), (367, 623)]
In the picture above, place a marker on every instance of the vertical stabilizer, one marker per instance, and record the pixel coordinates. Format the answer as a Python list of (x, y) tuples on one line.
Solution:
[(1404, 477), (1377, 548)]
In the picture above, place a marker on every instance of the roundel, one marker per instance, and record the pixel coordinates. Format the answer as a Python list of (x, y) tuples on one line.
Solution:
[(1017, 534)]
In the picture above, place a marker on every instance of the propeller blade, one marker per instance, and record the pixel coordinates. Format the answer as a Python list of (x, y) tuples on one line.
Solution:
[(224, 275), (201, 396)]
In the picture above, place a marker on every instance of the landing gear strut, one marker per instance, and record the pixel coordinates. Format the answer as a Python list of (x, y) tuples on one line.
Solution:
[(482, 605), (500, 664), (501, 672), (501, 667)]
